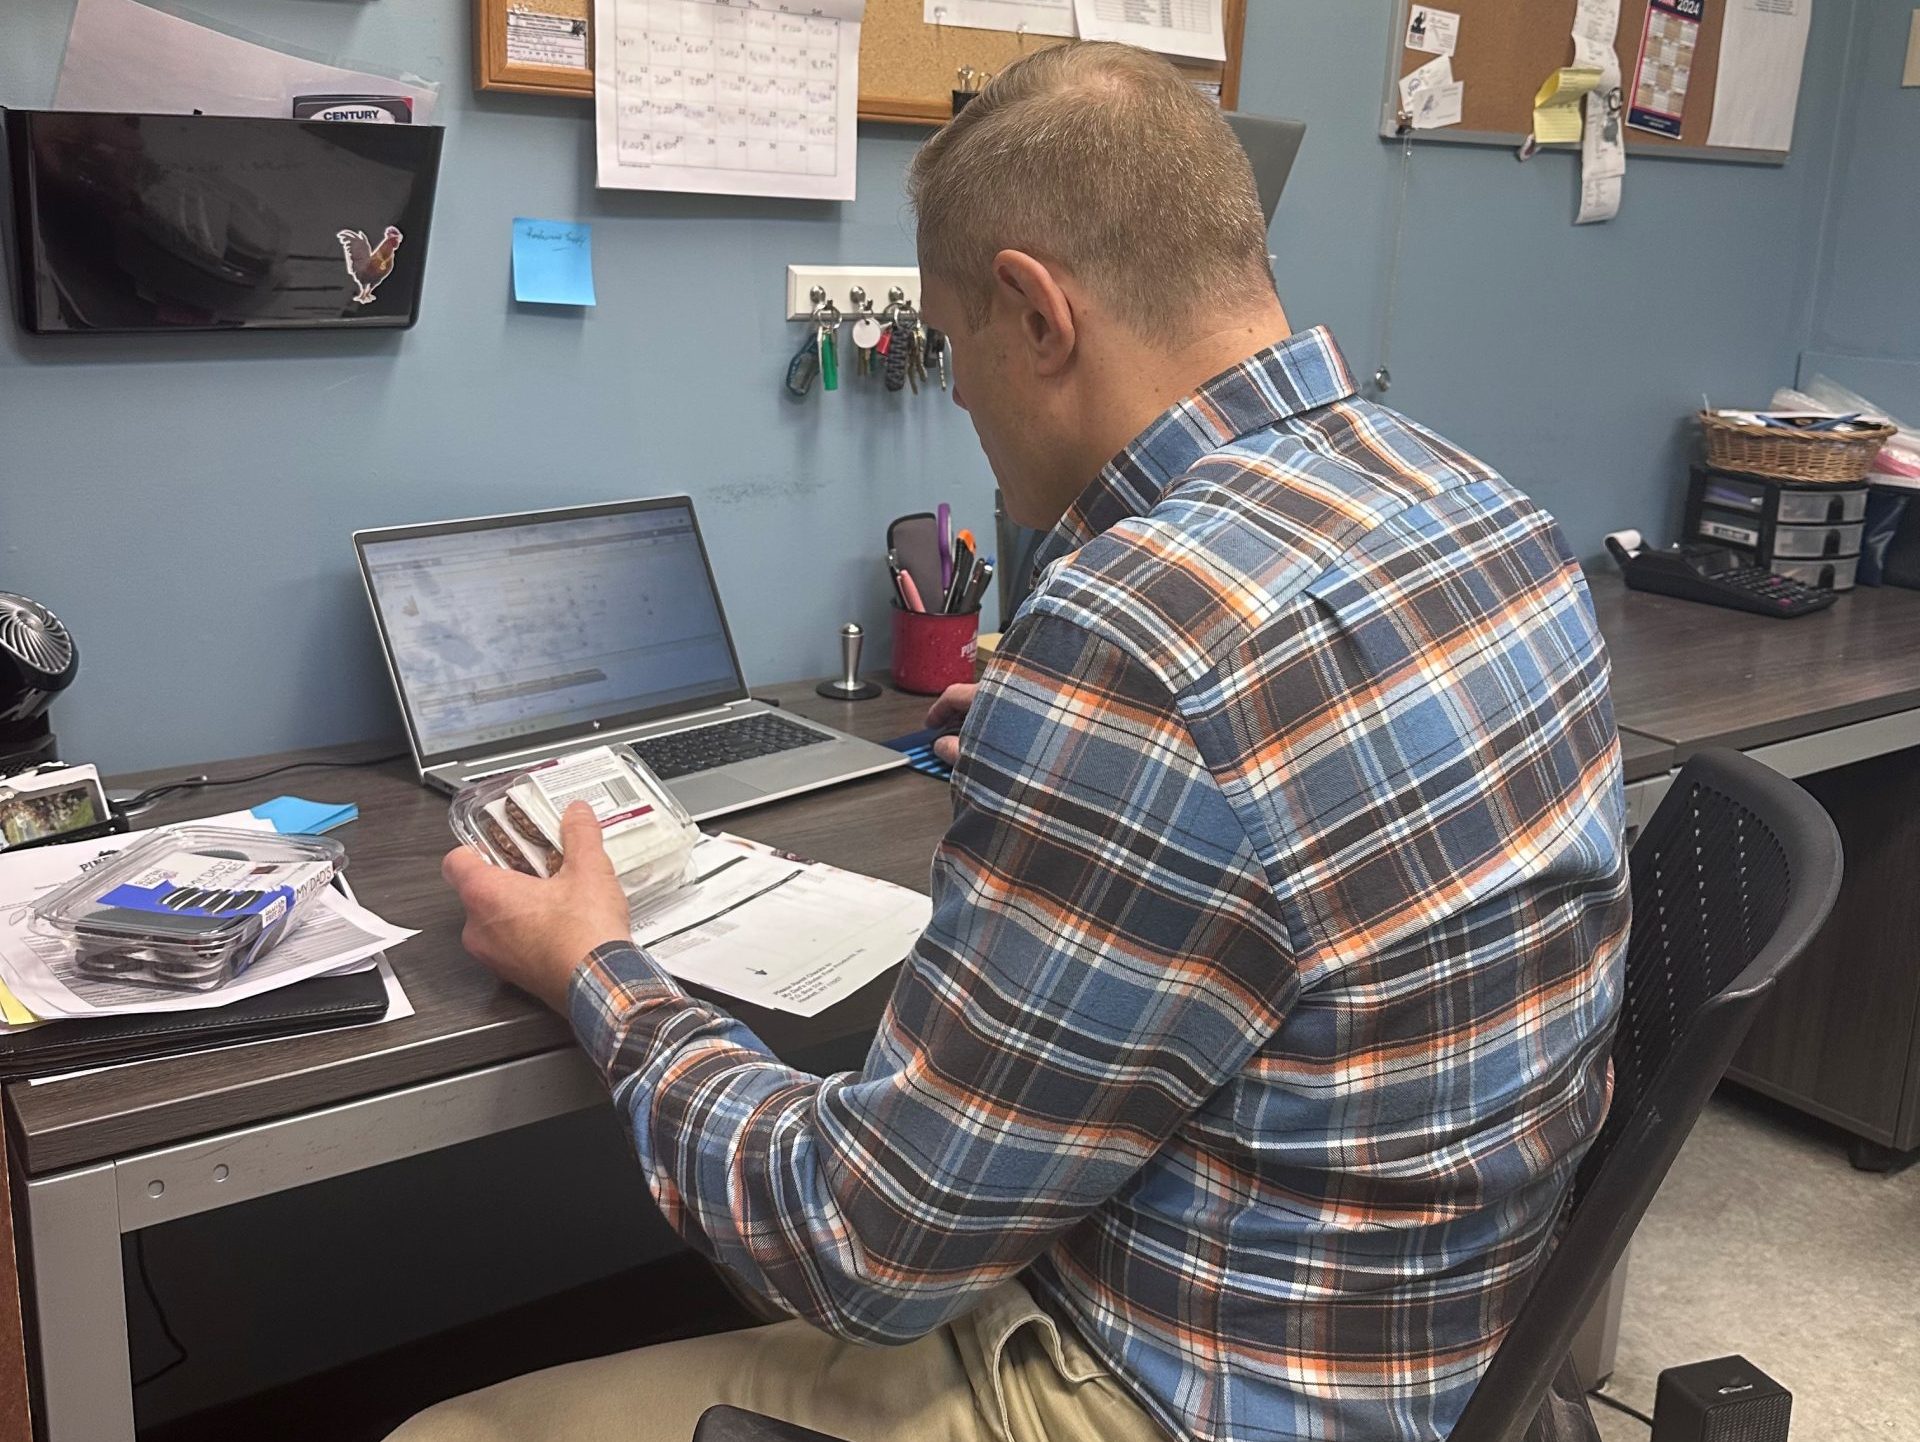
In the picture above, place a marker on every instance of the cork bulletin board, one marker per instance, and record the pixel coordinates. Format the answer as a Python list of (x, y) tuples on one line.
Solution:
[(1506, 48), (908, 68)]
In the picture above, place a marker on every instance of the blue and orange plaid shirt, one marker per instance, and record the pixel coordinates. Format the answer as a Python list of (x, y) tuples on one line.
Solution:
[(1264, 1011)]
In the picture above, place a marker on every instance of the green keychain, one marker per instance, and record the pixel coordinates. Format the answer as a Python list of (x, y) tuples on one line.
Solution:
[(829, 360)]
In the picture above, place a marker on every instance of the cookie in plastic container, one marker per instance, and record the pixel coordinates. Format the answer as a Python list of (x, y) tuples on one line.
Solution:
[(513, 819)]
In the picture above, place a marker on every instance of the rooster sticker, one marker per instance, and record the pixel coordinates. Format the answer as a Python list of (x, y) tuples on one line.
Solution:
[(368, 264)]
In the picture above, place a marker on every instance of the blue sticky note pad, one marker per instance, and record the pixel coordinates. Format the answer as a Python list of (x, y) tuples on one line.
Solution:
[(553, 261), (293, 817)]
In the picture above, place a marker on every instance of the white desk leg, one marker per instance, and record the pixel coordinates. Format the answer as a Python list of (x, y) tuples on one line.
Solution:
[(80, 1305)]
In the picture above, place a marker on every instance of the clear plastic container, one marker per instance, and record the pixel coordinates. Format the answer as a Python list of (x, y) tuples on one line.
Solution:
[(1804, 507), (189, 908), (1806, 542), (513, 819), (1830, 575)]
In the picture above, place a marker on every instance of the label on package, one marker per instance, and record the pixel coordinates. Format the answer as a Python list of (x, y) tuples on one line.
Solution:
[(192, 883)]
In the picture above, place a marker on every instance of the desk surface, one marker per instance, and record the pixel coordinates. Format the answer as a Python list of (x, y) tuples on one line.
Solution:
[(1643, 757), (1684, 676), (1694, 676), (464, 1018)]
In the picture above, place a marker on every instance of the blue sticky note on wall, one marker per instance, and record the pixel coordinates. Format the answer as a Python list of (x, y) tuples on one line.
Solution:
[(552, 261)]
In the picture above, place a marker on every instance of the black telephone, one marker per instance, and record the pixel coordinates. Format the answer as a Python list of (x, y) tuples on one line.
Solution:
[(1718, 575)]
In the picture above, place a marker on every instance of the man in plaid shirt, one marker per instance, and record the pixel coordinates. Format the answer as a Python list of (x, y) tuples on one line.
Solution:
[(1235, 1087)]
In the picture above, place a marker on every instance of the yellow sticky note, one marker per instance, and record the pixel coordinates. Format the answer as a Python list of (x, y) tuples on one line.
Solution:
[(11, 1011), (1556, 109)]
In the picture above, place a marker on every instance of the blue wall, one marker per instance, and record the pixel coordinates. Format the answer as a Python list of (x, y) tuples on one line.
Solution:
[(1865, 326), (202, 489)]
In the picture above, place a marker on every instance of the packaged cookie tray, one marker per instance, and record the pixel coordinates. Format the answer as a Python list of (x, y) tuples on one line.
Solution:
[(191, 907), (513, 819)]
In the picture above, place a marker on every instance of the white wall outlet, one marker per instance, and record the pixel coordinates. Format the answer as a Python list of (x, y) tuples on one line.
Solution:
[(1911, 75), (839, 282)]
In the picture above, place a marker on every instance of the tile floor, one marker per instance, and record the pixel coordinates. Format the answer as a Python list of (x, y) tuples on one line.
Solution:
[(1765, 1242)]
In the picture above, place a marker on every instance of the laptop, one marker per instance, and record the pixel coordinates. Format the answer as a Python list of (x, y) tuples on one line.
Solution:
[(512, 639)]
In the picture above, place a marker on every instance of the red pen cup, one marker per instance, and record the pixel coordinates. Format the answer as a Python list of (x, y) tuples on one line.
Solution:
[(931, 651)]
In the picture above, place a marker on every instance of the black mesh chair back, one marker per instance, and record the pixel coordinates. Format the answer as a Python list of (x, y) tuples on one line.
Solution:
[(1731, 878)]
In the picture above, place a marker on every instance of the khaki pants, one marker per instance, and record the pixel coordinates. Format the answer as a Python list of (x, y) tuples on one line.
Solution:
[(1006, 1372)]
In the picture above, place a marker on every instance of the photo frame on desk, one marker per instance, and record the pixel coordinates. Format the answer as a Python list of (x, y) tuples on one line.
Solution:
[(533, 47), (908, 68)]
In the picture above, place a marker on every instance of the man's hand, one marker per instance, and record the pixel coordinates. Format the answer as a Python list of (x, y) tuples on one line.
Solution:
[(536, 933), (949, 709)]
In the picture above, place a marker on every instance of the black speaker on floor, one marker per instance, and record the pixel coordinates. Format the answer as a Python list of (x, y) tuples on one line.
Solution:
[(1725, 1400)]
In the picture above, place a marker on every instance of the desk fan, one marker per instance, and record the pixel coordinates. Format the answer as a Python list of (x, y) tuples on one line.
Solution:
[(37, 662)]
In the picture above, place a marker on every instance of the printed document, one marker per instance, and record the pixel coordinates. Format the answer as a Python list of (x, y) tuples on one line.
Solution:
[(125, 56), (777, 930), (727, 97), (1763, 44), (1025, 17), (1603, 145), (1190, 28)]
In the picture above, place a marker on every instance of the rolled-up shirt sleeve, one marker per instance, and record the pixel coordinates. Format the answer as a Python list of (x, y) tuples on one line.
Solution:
[(1103, 954)]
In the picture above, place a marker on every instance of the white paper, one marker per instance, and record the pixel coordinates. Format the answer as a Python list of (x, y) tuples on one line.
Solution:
[(1190, 28), (541, 37), (1026, 17), (1437, 32), (122, 55), (399, 1007), (1438, 106), (1763, 44), (1603, 147), (727, 97), (1435, 73), (780, 932), (40, 971)]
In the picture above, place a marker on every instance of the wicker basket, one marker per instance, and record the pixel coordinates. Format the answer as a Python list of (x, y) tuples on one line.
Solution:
[(1835, 458)]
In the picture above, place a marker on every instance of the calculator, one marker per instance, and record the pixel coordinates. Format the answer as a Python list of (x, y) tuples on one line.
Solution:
[(1717, 575)]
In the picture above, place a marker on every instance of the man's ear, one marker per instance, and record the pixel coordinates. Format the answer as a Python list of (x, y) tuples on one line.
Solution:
[(1028, 289)]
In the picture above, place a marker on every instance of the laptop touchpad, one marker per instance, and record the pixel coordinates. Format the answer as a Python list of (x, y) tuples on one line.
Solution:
[(707, 793)]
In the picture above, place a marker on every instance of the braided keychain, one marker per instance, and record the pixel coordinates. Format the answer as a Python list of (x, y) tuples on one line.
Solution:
[(899, 354)]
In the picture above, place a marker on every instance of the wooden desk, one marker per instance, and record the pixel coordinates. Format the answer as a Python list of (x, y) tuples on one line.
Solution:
[(1694, 676), (1643, 758), (464, 1018), (126, 1149), (1832, 699)]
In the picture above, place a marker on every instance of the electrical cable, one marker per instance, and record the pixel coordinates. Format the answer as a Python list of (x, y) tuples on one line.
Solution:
[(159, 1314), (1634, 1412), (1383, 373), (194, 783)]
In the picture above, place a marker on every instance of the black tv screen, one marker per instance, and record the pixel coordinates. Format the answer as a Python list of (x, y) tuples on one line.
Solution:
[(208, 222)]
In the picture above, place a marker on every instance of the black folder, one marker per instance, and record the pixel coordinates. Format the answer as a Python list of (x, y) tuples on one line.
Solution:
[(317, 1004)]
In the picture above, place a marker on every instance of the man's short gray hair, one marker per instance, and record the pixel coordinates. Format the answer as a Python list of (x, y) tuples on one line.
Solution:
[(1104, 160)]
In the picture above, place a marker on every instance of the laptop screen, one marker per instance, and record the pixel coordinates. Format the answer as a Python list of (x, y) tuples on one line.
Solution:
[(514, 629)]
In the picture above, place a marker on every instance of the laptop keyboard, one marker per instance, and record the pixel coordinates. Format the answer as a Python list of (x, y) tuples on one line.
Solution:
[(681, 753)]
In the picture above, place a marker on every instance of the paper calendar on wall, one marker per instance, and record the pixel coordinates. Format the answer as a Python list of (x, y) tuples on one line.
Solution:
[(734, 97)]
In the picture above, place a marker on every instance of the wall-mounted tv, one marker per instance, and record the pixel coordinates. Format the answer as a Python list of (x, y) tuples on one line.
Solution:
[(207, 222)]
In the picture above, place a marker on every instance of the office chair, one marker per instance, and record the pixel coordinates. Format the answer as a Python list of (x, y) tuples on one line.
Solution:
[(1731, 878)]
